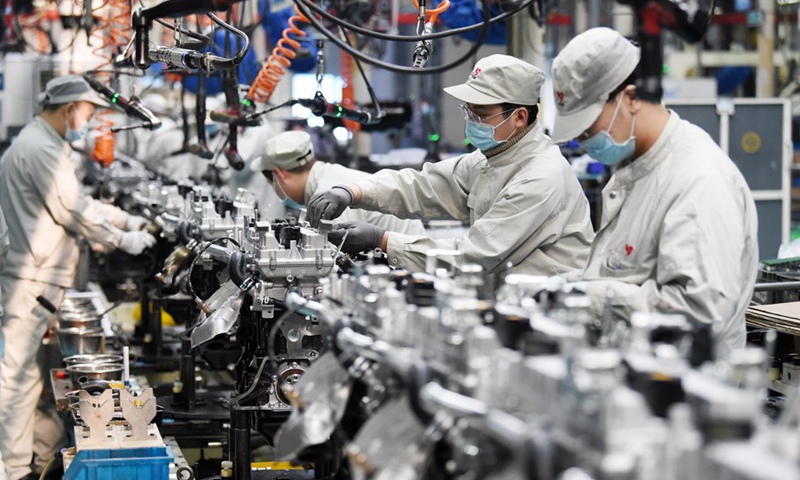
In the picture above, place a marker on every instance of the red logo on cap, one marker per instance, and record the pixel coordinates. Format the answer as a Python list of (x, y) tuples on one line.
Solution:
[(628, 250), (560, 96), (475, 73)]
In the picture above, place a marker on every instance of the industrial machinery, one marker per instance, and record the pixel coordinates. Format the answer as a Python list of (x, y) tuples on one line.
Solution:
[(353, 370)]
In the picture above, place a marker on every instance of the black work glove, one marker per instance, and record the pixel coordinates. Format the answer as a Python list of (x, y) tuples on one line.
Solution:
[(361, 236), (329, 205)]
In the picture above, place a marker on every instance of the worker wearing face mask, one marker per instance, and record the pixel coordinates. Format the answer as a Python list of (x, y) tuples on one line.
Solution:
[(678, 231), (524, 205), (46, 212), (287, 162)]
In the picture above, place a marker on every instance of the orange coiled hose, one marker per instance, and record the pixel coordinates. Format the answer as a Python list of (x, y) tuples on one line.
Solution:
[(43, 40), (348, 91), (103, 151), (112, 30), (280, 59)]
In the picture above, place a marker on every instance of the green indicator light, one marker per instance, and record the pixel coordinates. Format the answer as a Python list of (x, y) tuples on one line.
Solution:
[(246, 102), (114, 98), (339, 111), (466, 141), (434, 138)]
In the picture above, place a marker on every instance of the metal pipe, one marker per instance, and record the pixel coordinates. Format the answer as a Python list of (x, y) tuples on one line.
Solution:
[(240, 442), (776, 286), (189, 392)]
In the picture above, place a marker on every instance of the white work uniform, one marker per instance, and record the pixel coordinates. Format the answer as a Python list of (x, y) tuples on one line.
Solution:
[(4, 244), (46, 211), (523, 202), (679, 233), (3, 252), (323, 176)]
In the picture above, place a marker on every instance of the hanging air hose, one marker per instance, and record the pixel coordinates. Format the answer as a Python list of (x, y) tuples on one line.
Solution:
[(348, 91), (103, 151), (280, 59), (112, 30)]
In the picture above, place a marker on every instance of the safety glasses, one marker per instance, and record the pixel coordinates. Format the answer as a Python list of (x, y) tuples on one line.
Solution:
[(473, 117)]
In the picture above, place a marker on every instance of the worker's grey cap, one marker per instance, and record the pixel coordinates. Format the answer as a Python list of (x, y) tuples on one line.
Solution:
[(500, 79), (585, 72), (287, 150), (70, 88)]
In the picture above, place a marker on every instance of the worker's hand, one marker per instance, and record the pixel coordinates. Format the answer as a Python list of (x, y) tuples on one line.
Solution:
[(135, 222), (361, 236), (135, 242), (329, 205)]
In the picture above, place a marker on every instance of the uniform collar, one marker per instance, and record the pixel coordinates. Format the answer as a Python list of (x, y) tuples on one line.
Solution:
[(526, 140), (49, 129), (311, 181), (631, 171)]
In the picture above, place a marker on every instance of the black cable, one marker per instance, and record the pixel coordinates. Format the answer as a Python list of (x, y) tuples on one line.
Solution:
[(188, 33), (404, 38), (239, 56), (378, 112), (390, 66), (256, 379), (200, 254), (711, 12)]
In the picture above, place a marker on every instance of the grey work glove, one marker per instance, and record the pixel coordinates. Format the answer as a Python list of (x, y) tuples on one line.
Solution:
[(361, 236), (135, 222), (329, 205), (135, 242)]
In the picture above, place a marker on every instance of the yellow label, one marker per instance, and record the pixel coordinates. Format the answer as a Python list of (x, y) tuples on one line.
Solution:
[(276, 466), (751, 142)]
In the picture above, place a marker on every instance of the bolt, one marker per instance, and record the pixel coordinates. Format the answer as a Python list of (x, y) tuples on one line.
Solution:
[(471, 450)]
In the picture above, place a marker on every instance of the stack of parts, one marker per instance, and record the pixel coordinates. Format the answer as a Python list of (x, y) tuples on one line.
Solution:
[(783, 317)]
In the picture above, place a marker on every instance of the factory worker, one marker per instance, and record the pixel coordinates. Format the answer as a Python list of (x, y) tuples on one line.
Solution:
[(525, 207), (46, 212), (287, 162), (3, 251), (678, 230)]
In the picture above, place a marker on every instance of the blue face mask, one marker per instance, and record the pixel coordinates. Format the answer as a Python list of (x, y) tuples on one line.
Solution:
[(287, 201), (482, 135), (291, 204), (74, 135), (605, 150)]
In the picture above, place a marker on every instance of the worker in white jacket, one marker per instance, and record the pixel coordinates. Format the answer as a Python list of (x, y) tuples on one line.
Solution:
[(46, 212), (679, 226), (525, 207), (287, 162), (3, 251)]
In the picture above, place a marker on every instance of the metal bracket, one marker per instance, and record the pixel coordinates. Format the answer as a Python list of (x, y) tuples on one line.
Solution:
[(96, 412), (139, 411)]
